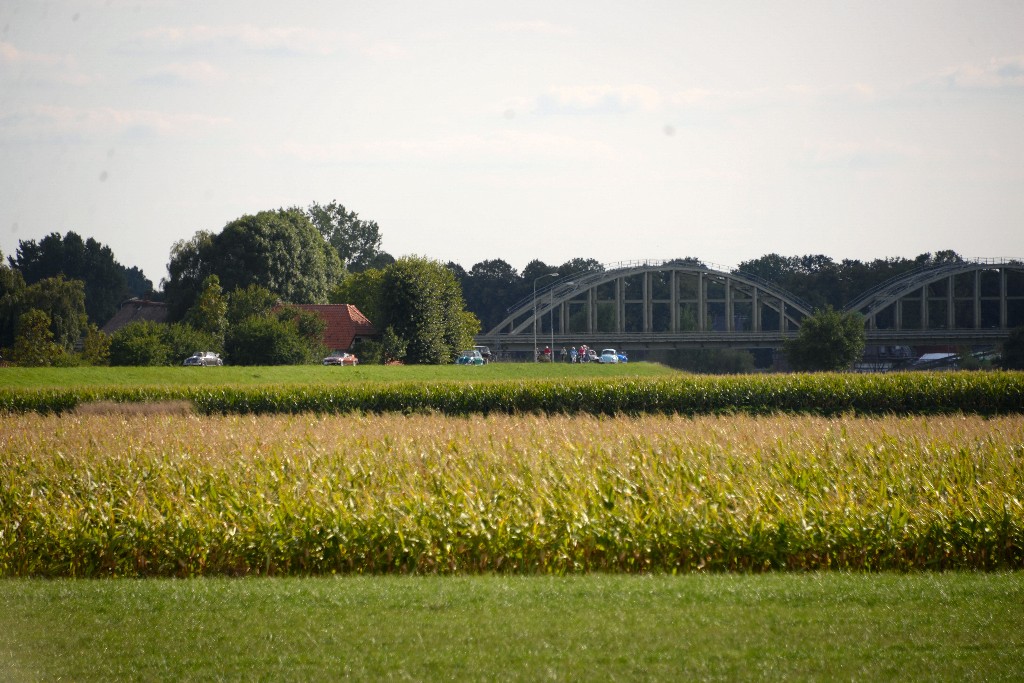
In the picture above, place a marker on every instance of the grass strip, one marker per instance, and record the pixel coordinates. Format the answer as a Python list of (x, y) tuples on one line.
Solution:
[(833, 626)]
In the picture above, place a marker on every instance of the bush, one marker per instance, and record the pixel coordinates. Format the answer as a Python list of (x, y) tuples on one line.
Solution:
[(711, 361), (145, 342), (34, 344), (269, 341), (1013, 350), (829, 340), (138, 343)]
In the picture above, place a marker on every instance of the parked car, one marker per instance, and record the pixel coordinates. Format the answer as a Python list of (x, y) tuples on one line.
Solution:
[(608, 356), (203, 358), (623, 358), (470, 357), (485, 352), (341, 358)]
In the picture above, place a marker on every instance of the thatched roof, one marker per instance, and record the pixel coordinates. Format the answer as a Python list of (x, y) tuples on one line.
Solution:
[(136, 309)]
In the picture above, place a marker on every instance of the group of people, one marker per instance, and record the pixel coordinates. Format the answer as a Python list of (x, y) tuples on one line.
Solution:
[(571, 354)]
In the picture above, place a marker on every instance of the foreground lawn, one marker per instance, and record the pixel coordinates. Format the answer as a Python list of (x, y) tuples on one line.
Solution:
[(954, 626), (311, 374)]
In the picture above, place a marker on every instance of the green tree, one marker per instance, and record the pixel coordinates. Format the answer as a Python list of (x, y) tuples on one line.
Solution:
[(1013, 350), (63, 301), (190, 264), (139, 343), (363, 290), (279, 250), (711, 361), (12, 292), (96, 346), (145, 342), (209, 313), (34, 344), (106, 281), (422, 301), (249, 302), (827, 340), (269, 340), (356, 241), (490, 288)]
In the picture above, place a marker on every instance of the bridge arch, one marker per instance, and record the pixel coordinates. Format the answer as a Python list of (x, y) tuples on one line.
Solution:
[(961, 299), (651, 304)]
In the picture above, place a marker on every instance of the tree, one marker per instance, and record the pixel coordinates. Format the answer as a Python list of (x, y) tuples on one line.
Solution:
[(356, 241), (363, 290), (34, 344), (279, 250), (580, 265), (422, 301), (12, 292), (96, 347), (209, 314), (828, 340), (248, 302), (63, 301), (711, 361), (138, 343), (145, 342), (106, 281), (1013, 350), (490, 288), (269, 340)]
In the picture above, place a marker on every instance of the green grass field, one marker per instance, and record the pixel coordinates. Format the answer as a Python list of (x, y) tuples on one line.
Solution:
[(311, 374), (833, 626), (921, 625)]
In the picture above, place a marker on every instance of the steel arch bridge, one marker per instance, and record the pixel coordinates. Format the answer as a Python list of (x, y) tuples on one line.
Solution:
[(645, 305), (974, 301)]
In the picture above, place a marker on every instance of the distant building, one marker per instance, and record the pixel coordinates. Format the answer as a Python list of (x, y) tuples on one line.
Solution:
[(136, 309), (345, 324)]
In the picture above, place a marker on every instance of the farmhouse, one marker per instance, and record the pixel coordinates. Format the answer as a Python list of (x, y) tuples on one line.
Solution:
[(345, 324), (136, 309)]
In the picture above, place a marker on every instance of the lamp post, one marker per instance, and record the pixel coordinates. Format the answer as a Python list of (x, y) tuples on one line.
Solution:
[(541, 277), (551, 311)]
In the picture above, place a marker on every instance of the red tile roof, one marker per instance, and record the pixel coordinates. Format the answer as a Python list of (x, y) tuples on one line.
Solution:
[(345, 322)]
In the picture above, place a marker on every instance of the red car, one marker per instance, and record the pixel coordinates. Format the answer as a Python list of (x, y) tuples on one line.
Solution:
[(341, 358)]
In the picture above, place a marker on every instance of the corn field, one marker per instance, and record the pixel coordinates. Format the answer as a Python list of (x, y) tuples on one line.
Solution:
[(982, 393), (89, 495)]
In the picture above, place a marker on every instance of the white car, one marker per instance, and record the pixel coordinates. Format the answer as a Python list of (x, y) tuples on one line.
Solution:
[(608, 356), (203, 358)]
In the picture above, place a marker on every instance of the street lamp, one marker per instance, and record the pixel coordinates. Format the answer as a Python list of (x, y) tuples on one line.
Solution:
[(551, 311), (541, 277)]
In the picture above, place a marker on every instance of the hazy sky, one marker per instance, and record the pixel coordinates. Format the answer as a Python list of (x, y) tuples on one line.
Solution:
[(552, 130)]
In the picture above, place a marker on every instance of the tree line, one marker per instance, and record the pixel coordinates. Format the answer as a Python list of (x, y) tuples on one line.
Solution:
[(230, 291)]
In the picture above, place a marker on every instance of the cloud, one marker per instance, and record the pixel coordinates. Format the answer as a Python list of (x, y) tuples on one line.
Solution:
[(184, 73), (535, 27), (598, 99), (501, 147), (848, 154), (622, 99), (39, 66), (289, 39), (1001, 73), (47, 122)]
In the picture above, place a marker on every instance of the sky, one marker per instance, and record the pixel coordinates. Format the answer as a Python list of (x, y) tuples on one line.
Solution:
[(470, 131)]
